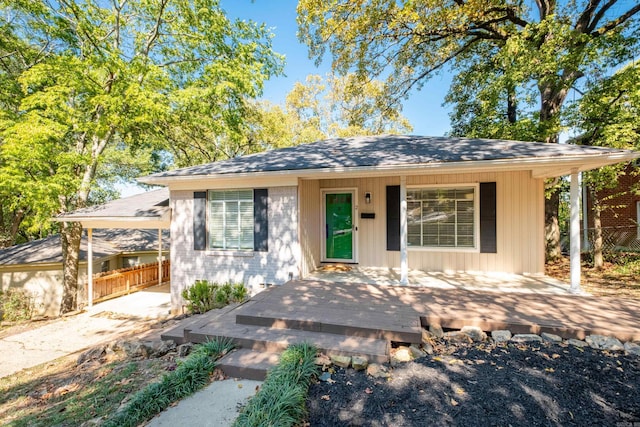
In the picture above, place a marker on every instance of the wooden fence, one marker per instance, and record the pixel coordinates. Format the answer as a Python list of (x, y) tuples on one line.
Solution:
[(115, 283)]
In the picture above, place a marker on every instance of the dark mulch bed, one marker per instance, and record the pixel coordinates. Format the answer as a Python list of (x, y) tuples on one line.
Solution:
[(486, 385)]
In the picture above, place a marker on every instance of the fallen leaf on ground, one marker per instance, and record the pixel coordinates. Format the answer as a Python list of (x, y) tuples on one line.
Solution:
[(368, 390), (325, 397)]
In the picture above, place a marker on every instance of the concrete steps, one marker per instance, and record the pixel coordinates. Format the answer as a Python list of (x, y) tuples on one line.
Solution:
[(248, 364), (396, 327), (263, 327), (272, 340)]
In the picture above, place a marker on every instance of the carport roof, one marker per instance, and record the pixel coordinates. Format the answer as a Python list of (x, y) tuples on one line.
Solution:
[(145, 210)]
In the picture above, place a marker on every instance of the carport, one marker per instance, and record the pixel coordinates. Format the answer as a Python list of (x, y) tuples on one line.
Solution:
[(148, 210)]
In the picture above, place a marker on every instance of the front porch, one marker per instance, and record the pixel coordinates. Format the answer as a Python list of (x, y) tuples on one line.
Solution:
[(363, 319), (490, 282)]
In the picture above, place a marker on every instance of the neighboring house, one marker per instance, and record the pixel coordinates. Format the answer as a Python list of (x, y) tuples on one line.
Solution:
[(620, 216), (37, 266), (434, 204)]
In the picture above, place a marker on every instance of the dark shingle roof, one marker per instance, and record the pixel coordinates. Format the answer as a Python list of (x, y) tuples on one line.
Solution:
[(384, 151), (152, 204), (105, 242)]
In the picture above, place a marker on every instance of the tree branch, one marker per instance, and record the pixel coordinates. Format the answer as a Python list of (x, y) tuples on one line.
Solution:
[(617, 22)]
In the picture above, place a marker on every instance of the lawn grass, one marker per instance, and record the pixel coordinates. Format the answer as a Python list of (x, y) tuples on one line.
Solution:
[(281, 400), (189, 377), (62, 394)]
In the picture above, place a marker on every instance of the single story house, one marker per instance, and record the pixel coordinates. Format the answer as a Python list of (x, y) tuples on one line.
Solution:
[(426, 203), (37, 266)]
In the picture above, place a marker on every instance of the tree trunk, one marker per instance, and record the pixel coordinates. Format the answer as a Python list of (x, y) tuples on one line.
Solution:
[(70, 236), (512, 105), (598, 260), (71, 232), (552, 227), (551, 99)]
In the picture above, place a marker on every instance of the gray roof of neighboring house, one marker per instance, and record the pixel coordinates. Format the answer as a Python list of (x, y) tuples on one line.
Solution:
[(105, 242), (384, 151), (152, 204)]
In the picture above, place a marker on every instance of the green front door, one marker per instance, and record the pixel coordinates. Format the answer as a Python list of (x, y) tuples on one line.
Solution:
[(339, 226)]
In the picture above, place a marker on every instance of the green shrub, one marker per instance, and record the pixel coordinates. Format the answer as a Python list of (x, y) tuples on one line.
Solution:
[(16, 305), (282, 399), (189, 377), (223, 294), (204, 295), (239, 292)]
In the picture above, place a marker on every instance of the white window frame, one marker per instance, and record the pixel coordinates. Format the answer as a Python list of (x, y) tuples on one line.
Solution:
[(476, 218), (227, 247)]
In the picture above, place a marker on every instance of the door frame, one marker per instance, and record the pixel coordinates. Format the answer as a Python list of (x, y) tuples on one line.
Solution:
[(354, 219)]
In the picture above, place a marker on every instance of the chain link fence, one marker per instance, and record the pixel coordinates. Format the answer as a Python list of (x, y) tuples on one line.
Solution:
[(613, 239)]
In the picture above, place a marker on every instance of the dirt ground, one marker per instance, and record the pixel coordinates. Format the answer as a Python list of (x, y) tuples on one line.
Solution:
[(614, 280), (487, 385)]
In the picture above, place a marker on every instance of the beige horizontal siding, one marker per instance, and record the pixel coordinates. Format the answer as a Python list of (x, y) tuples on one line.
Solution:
[(520, 224)]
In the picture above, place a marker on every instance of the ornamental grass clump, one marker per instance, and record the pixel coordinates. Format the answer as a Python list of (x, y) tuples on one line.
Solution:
[(281, 400), (189, 377), (203, 295)]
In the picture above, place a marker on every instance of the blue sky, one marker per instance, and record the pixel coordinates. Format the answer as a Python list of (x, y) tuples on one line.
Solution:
[(423, 109)]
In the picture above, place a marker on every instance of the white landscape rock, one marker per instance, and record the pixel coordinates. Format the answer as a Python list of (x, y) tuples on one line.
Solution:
[(502, 335), (604, 343), (577, 343), (632, 348), (476, 333), (551, 337), (526, 338)]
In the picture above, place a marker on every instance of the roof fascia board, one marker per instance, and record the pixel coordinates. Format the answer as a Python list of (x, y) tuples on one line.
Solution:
[(253, 180)]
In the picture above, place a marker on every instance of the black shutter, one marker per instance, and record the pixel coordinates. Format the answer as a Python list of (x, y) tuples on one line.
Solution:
[(261, 220), (488, 217), (393, 217), (200, 220)]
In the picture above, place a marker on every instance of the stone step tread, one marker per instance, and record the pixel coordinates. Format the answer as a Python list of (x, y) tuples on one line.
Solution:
[(343, 317), (345, 322), (269, 339), (177, 332), (248, 364)]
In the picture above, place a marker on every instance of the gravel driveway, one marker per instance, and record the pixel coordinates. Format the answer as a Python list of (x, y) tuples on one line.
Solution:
[(104, 322)]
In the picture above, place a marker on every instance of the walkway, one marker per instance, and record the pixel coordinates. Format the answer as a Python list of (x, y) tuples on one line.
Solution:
[(104, 322)]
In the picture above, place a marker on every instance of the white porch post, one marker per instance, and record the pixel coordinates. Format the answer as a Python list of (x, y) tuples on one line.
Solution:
[(90, 267), (404, 261), (575, 233), (159, 256)]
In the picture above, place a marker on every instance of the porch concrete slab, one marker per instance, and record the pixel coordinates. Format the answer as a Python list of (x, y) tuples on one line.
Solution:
[(571, 316), (496, 282), (149, 303)]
